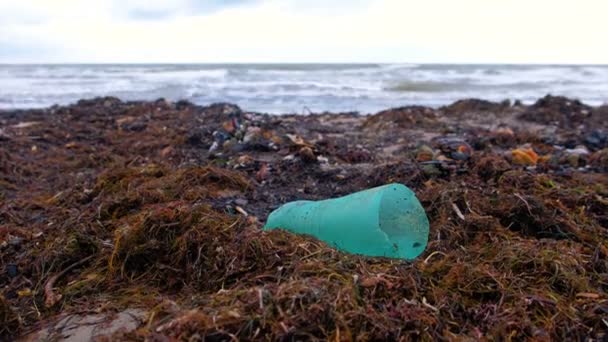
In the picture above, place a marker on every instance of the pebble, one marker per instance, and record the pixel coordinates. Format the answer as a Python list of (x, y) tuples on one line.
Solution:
[(241, 201)]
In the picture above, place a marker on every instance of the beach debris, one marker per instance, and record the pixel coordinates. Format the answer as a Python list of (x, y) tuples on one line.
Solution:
[(597, 139), (599, 160), (241, 211), (524, 156), (239, 133), (262, 173), (168, 229), (132, 124), (458, 212), (260, 139), (505, 132), (491, 167), (467, 106), (167, 151), (580, 150), (14, 240), (454, 147), (299, 141), (576, 157), (358, 155), (26, 292), (307, 155), (557, 110), (385, 221), (424, 153), (50, 297), (219, 138), (403, 117), (433, 168), (26, 124)]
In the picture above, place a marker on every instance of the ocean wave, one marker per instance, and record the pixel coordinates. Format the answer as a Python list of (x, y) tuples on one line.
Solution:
[(426, 87), (185, 74), (398, 66), (266, 87)]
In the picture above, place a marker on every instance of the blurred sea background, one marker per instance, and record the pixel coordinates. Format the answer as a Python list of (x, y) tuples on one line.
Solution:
[(300, 88)]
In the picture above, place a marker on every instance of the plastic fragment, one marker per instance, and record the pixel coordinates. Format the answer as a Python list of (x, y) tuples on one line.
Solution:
[(385, 221)]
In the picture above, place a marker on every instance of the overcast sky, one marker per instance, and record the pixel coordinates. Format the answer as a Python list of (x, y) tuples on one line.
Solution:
[(182, 31)]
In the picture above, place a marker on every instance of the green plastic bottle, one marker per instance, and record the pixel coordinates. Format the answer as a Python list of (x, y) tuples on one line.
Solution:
[(386, 221)]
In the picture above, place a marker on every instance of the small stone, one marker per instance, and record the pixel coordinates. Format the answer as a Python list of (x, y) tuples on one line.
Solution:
[(25, 124), (253, 134), (599, 160), (307, 154), (165, 152), (442, 158), (431, 169), (597, 139), (12, 270), (424, 153), (461, 151), (263, 173), (3, 135), (579, 151), (241, 201), (14, 240), (244, 160), (505, 131), (574, 160), (27, 292), (454, 147)]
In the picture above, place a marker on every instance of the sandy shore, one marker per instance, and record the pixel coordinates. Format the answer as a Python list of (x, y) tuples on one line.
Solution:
[(142, 220)]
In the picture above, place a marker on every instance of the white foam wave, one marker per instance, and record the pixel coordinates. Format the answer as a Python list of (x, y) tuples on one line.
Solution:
[(278, 88)]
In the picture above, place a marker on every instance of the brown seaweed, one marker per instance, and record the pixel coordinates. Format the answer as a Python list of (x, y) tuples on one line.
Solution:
[(107, 206)]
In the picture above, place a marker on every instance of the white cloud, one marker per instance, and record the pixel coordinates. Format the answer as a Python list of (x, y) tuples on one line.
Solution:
[(516, 31)]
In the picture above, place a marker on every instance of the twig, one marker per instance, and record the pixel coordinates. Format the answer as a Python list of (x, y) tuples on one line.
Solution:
[(52, 298), (458, 212), (261, 299), (426, 261), (242, 211), (526, 202), (425, 303)]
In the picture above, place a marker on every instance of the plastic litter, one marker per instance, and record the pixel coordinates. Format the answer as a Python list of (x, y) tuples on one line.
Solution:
[(386, 221)]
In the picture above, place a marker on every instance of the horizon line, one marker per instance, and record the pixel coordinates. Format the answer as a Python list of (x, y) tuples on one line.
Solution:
[(300, 63)]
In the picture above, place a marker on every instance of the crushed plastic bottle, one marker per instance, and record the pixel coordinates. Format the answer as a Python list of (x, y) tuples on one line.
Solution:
[(386, 221)]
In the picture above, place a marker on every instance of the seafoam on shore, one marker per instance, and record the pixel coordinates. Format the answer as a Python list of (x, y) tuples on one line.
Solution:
[(300, 88)]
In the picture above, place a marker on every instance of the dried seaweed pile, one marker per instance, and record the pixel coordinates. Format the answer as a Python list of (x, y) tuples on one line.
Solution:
[(106, 205)]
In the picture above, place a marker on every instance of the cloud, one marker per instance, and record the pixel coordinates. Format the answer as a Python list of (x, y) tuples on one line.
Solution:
[(515, 31), (163, 9), (23, 51)]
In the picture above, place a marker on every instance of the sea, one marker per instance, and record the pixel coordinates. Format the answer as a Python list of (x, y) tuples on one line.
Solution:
[(300, 88)]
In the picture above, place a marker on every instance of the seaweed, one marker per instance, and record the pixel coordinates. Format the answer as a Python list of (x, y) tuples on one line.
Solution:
[(9, 321), (121, 206)]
